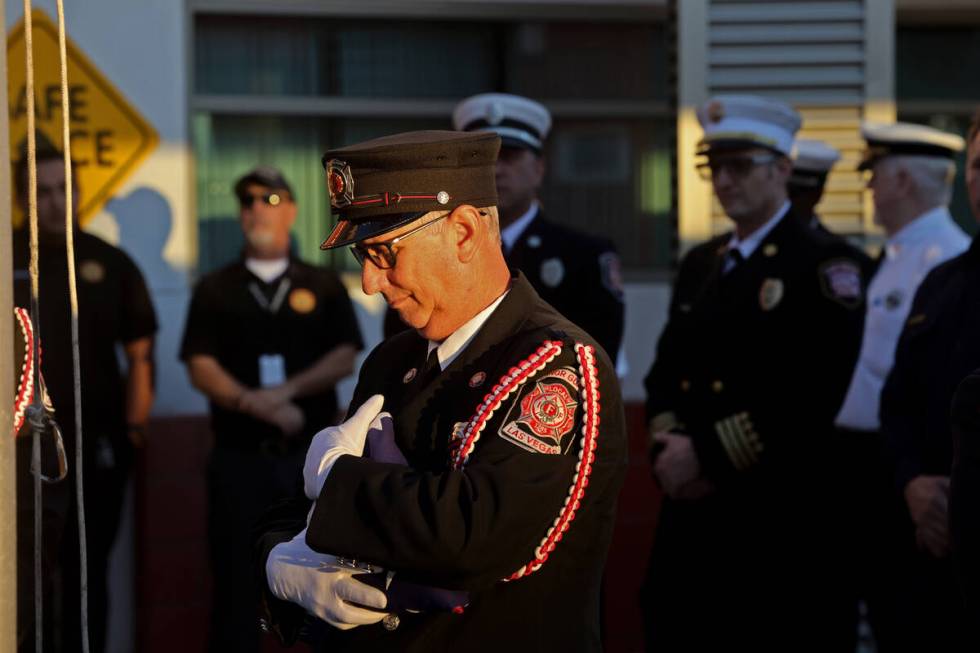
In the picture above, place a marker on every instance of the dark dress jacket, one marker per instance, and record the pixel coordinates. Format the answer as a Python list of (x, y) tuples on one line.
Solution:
[(964, 499), (530, 378), (752, 365), (576, 273)]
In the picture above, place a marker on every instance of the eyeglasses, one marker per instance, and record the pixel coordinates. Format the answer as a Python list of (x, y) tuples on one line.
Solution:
[(270, 199), (382, 254), (737, 167)]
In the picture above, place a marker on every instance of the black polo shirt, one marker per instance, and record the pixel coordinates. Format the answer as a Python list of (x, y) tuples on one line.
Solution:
[(114, 308), (236, 318)]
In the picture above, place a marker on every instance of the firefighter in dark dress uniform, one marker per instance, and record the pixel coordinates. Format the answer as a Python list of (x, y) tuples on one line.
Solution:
[(812, 162), (763, 329), (267, 338), (577, 273), (485, 498), (965, 482), (937, 349)]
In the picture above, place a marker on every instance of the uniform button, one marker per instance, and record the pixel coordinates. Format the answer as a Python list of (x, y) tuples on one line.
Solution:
[(263, 625), (391, 621), (717, 386), (685, 385)]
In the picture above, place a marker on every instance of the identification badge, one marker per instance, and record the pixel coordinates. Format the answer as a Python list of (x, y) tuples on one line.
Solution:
[(272, 370)]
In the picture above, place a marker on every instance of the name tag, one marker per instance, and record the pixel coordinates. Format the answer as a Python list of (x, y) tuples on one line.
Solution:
[(272, 370)]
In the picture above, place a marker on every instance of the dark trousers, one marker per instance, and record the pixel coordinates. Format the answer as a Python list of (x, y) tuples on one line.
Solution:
[(732, 574), (241, 484), (912, 600), (105, 487), (54, 511)]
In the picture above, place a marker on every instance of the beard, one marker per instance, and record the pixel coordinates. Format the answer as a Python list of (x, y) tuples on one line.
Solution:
[(260, 240)]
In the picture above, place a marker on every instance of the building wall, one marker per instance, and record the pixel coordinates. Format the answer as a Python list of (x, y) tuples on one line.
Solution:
[(140, 48)]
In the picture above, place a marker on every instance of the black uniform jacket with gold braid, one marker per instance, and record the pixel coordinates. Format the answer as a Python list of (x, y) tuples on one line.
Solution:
[(499, 485), (754, 363), (578, 274), (752, 366)]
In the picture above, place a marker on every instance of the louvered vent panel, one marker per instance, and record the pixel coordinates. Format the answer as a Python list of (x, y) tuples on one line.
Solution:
[(810, 54)]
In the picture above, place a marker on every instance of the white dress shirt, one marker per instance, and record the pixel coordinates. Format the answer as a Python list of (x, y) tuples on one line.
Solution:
[(910, 254), (750, 244), (267, 270), (458, 340), (513, 231)]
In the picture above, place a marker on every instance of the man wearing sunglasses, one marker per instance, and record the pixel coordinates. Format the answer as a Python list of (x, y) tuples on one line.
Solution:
[(267, 339), (479, 513), (763, 330)]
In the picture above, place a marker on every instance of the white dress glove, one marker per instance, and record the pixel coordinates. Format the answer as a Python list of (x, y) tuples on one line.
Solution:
[(335, 441), (314, 581)]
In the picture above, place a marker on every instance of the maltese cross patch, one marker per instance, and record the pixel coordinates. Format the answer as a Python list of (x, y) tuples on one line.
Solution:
[(544, 413)]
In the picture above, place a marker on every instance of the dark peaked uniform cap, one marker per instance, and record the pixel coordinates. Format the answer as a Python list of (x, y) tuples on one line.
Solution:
[(385, 183)]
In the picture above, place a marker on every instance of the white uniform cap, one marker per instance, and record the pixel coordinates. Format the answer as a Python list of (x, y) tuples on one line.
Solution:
[(519, 121), (731, 121), (814, 156), (906, 139), (812, 160)]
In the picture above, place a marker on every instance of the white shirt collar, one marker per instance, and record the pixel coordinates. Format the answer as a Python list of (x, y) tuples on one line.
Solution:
[(747, 246), (513, 231), (458, 340), (919, 230), (267, 270)]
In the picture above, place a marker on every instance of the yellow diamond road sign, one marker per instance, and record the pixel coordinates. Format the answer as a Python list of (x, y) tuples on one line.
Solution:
[(109, 138)]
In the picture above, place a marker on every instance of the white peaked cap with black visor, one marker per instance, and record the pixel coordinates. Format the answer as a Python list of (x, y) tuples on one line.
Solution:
[(740, 121), (519, 121)]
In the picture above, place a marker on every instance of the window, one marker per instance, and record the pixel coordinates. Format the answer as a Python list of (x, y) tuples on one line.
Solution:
[(282, 90), (930, 91)]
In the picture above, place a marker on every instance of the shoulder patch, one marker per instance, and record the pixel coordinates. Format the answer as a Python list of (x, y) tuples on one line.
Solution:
[(544, 413), (464, 438), (840, 280)]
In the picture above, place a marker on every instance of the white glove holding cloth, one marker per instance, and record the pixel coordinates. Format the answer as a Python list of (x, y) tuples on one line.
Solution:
[(314, 581), (335, 441)]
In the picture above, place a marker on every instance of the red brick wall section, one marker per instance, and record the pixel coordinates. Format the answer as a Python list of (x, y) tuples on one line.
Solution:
[(173, 584), (636, 519)]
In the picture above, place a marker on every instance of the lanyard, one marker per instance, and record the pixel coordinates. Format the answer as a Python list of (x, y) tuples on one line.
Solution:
[(277, 299)]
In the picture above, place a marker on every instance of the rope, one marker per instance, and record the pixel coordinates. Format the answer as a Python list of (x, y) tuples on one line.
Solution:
[(35, 317), (73, 303)]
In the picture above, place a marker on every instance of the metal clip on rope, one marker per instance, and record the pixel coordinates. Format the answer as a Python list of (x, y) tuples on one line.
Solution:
[(42, 422)]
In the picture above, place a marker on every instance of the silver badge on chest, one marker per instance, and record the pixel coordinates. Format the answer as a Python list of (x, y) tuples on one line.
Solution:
[(552, 272), (770, 294)]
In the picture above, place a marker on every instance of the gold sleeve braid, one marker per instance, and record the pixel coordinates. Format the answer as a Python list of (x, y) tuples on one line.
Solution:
[(741, 442)]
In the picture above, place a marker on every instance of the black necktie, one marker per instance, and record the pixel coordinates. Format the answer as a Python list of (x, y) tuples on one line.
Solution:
[(431, 369), (733, 259)]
